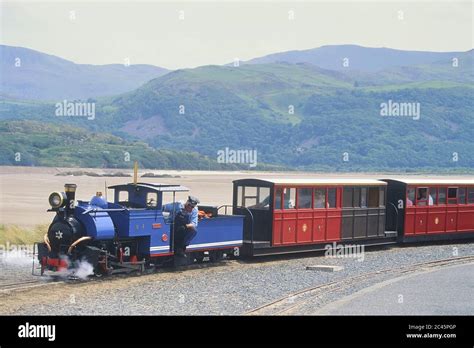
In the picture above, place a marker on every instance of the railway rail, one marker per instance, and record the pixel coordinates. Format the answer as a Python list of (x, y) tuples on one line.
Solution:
[(22, 285)]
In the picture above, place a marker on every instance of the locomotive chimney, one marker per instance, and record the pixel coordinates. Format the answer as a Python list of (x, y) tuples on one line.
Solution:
[(70, 190)]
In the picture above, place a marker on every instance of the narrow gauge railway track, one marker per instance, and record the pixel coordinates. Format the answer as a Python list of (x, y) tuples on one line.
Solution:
[(12, 286), (290, 304), (22, 285)]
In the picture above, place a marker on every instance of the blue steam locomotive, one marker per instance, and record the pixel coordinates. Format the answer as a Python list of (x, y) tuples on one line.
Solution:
[(131, 233)]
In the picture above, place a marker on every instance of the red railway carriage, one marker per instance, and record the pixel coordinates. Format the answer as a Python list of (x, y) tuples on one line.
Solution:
[(431, 209), (295, 215)]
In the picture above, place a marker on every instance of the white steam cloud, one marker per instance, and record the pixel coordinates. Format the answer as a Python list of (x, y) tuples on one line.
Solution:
[(83, 270)]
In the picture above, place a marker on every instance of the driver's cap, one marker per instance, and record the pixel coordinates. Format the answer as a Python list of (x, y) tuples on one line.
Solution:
[(193, 201)]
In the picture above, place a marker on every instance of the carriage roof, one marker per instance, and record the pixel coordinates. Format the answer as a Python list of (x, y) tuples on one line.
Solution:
[(311, 182), (433, 181)]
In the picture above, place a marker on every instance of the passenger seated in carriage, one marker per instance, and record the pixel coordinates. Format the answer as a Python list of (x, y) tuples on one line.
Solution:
[(423, 197)]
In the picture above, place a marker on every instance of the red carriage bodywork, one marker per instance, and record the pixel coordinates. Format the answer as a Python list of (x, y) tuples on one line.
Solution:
[(433, 208)]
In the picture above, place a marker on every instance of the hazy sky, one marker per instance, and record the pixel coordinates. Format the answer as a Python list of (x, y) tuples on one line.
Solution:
[(152, 32)]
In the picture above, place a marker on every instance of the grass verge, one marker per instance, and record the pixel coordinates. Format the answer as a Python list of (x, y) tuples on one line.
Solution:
[(14, 234)]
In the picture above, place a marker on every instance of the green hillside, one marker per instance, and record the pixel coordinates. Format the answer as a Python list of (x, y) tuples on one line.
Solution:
[(295, 115), (28, 143), (249, 106)]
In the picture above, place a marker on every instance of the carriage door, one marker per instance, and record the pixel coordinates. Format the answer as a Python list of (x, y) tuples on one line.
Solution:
[(422, 202), (285, 216), (257, 200), (452, 210)]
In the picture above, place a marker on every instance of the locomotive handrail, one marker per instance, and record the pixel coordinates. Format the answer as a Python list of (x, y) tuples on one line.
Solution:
[(240, 207), (95, 210)]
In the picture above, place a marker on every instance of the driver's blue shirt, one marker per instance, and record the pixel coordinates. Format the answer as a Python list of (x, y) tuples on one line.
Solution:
[(173, 208)]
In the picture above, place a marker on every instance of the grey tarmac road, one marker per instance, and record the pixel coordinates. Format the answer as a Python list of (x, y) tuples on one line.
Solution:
[(446, 291)]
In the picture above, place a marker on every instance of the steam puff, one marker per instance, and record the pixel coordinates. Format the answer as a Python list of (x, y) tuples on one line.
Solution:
[(22, 258), (83, 270)]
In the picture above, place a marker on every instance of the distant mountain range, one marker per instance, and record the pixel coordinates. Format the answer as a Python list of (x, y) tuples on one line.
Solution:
[(29, 74), (353, 57), (296, 115)]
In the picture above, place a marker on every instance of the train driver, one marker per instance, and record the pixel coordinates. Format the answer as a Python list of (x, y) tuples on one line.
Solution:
[(185, 223)]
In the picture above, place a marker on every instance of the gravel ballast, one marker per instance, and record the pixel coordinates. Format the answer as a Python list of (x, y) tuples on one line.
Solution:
[(230, 288)]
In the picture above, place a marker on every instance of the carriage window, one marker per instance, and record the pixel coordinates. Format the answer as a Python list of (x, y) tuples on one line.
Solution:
[(289, 198), (452, 195), (363, 197), (253, 197), (278, 193), (263, 198), (356, 197), (382, 197), (470, 195), (332, 198), (151, 199), (433, 198), (319, 198), (250, 196), (373, 197), (257, 197), (410, 197), (240, 196), (123, 196), (347, 197), (422, 196), (304, 198), (442, 195), (462, 195)]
